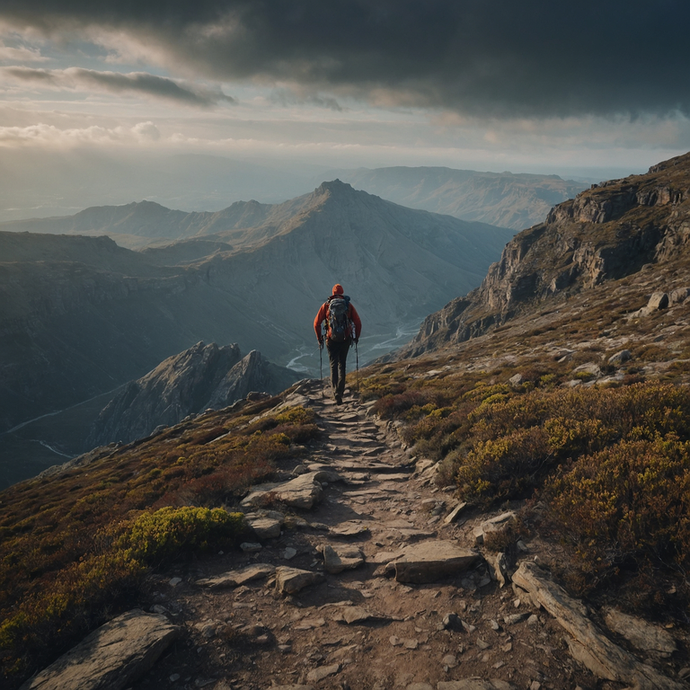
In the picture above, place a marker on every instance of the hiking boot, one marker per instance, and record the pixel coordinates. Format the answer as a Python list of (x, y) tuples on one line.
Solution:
[(338, 399)]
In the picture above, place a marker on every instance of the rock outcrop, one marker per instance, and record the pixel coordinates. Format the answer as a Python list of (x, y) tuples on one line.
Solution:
[(586, 642), (202, 377), (112, 657), (605, 233)]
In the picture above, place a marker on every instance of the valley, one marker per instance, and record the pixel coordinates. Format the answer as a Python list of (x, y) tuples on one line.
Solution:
[(81, 315)]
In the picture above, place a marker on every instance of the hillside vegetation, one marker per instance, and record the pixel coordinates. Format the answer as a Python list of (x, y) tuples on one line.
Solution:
[(75, 545)]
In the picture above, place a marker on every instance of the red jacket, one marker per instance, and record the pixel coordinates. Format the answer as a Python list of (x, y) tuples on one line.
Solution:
[(323, 316)]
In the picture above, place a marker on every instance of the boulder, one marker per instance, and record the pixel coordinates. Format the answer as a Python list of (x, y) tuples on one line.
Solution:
[(493, 525), (292, 580), (235, 578), (301, 492), (429, 561), (658, 300), (265, 527), (498, 567), (620, 357), (322, 672), (354, 614), (515, 381), (587, 643), (589, 368), (679, 295), (339, 558), (112, 657)]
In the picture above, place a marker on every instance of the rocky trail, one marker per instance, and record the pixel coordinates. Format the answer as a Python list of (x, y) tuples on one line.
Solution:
[(365, 575)]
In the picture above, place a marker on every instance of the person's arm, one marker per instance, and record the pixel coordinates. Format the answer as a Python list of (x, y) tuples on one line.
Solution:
[(354, 316), (320, 318)]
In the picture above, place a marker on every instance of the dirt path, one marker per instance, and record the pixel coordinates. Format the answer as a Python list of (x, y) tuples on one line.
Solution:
[(250, 637)]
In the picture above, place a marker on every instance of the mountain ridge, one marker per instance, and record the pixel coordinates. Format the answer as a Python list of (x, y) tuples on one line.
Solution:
[(605, 233), (511, 200)]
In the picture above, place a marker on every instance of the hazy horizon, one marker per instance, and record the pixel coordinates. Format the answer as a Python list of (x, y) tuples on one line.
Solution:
[(97, 100)]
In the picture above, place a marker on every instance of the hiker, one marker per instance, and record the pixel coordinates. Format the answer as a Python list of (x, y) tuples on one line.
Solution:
[(343, 327)]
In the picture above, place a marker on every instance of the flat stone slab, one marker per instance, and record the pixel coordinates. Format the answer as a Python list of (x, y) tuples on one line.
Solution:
[(587, 643), (338, 558), (356, 614), (383, 557), (293, 580), (429, 561), (235, 578), (301, 492), (349, 529), (265, 527), (474, 684), (112, 657), (322, 672)]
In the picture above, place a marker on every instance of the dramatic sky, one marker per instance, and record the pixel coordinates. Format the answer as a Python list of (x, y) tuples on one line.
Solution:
[(539, 85)]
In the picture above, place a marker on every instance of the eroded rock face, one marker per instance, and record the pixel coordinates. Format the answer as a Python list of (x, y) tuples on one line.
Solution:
[(112, 657)]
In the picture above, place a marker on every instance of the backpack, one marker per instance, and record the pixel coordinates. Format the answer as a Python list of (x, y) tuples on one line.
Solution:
[(339, 324)]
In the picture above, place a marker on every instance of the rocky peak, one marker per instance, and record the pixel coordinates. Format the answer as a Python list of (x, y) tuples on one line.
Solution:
[(334, 187), (204, 376)]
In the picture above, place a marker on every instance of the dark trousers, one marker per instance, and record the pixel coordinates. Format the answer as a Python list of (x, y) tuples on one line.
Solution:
[(337, 354)]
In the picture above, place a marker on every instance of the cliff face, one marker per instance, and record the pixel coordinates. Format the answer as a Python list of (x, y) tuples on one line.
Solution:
[(605, 233), (202, 377)]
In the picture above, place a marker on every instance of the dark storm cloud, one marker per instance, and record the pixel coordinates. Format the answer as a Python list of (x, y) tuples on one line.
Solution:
[(134, 82), (484, 57)]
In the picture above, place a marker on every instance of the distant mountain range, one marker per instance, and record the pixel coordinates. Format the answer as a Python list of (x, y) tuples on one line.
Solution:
[(505, 199), (81, 316)]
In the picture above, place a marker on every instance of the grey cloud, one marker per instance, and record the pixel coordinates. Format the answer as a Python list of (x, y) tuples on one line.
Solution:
[(133, 82), (483, 57)]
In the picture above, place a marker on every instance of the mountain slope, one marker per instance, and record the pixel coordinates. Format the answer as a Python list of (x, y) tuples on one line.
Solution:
[(606, 233), (81, 316), (505, 199)]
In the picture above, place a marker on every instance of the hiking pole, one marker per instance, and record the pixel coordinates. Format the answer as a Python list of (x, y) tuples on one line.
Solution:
[(357, 360), (323, 395)]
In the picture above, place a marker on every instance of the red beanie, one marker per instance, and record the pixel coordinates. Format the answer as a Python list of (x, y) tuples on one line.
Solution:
[(338, 289)]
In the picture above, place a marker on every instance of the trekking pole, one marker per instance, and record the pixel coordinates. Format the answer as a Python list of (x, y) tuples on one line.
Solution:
[(357, 360), (323, 395)]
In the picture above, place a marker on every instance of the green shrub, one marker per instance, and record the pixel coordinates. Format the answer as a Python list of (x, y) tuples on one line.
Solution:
[(168, 532)]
